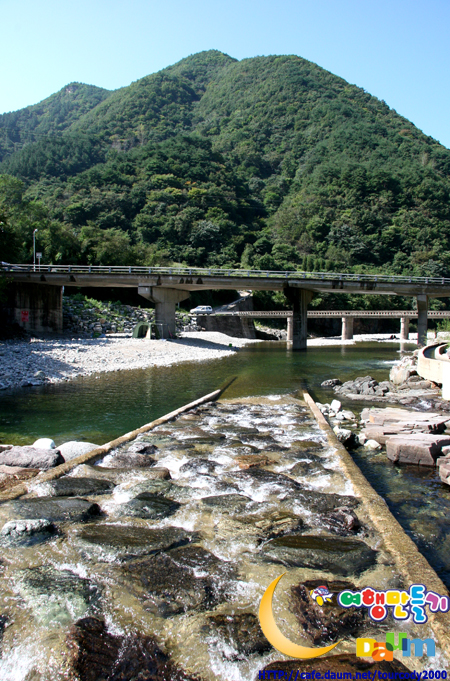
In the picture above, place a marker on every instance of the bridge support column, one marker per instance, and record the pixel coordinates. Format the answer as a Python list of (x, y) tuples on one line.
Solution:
[(404, 328), (165, 300), (347, 328), (422, 321), (300, 299), (290, 330), (37, 309)]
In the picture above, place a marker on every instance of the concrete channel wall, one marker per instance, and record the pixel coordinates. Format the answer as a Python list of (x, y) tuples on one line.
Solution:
[(433, 364)]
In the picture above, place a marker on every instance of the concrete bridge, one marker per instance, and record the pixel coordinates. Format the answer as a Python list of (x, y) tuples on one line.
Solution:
[(37, 299), (347, 317)]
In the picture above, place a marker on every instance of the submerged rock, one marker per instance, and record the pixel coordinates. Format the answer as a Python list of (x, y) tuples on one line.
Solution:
[(148, 505), (325, 624), (118, 474), (57, 596), (26, 532), (128, 541), (200, 559), (51, 508), (68, 486), (96, 655), (30, 457), (342, 556), (168, 588), (342, 521), (227, 503), (241, 634), (246, 461), (199, 466)]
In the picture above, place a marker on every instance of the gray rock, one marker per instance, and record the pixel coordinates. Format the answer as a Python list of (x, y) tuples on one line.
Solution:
[(123, 542), (335, 406), (331, 383), (30, 457), (372, 445), (72, 449), (51, 508), (68, 486), (342, 556), (131, 460), (142, 448), (26, 532), (199, 467), (44, 443), (148, 505), (56, 596)]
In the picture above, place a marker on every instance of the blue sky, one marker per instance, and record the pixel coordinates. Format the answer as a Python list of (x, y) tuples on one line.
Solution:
[(397, 50)]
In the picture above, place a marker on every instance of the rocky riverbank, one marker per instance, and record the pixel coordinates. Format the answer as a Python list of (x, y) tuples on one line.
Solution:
[(39, 361)]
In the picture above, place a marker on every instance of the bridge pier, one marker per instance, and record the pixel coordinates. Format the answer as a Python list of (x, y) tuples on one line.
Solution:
[(347, 328), (37, 309), (165, 300), (299, 299), (422, 320), (290, 330), (404, 328)]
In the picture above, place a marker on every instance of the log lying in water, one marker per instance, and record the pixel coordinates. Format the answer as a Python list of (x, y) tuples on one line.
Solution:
[(100, 452)]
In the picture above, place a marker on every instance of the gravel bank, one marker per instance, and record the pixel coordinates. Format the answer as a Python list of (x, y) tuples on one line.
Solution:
[(39, 361)]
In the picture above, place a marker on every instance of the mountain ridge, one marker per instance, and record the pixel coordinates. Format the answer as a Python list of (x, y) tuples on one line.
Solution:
[(268, 162)]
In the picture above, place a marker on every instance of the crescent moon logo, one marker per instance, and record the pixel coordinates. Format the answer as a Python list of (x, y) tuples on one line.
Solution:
[(274, 635)]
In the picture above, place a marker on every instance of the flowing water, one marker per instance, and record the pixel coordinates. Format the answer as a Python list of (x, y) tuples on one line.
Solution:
[(183, 562)]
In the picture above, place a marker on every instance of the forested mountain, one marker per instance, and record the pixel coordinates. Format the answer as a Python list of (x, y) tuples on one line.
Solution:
[(49, 117), (270, 163)]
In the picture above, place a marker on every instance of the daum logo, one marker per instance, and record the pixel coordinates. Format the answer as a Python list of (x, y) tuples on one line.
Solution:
[(368, 647), (403, 604)]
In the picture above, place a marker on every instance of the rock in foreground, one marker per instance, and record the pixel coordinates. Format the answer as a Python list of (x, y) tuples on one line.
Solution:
[(31, 457), (96, 655)]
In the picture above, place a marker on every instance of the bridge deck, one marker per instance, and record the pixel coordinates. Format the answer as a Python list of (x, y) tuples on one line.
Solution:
[(284, 314), (195, 279)]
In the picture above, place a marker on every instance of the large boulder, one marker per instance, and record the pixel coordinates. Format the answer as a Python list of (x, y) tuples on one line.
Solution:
[(30, 457), (51, 508), (123, 542), (68, 486), (72, 449), (340, 555)]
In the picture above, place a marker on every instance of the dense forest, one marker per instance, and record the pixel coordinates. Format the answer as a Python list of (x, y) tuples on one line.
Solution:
[(266, 163)]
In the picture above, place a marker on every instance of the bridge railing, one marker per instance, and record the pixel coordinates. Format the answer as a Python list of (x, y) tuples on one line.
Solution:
[(214, 272)]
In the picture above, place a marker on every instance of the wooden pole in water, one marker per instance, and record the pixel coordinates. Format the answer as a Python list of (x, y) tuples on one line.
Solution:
[(100, 452)]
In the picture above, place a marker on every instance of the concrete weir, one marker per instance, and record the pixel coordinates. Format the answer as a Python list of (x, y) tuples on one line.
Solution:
[(266, 490), (411, 564)]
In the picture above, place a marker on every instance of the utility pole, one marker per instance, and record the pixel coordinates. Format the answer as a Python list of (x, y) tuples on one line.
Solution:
[(34, 250)]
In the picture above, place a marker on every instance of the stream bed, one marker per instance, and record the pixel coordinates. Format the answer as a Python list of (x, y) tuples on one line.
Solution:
[(152, 563)]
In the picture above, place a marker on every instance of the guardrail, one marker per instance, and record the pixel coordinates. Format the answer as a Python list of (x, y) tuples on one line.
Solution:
[(409, 314), (204, 272)]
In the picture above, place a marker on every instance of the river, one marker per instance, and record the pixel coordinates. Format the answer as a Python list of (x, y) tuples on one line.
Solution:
[(99, 408)]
